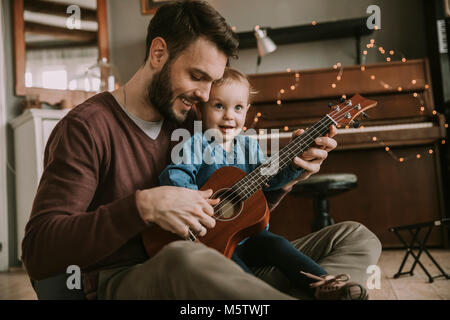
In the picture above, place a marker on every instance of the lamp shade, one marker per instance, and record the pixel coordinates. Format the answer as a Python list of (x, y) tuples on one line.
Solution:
[(265, 44)]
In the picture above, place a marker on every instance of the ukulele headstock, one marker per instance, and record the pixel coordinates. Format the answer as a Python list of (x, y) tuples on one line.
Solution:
[(346, 112)]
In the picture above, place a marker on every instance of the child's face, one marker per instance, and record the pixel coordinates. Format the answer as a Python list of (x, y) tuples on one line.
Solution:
[(226, 109)]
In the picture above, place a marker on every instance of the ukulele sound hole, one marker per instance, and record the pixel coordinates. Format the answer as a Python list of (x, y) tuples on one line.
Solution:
[(230, 205)]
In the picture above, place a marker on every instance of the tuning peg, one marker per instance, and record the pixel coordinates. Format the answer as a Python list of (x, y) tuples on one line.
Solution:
[(356, 124), (341, 100), (330, 104), (365, 115)]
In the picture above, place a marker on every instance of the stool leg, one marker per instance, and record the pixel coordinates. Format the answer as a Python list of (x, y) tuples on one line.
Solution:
[(321, 216)]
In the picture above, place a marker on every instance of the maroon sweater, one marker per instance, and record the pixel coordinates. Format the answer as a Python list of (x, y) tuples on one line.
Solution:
[(84, 212)]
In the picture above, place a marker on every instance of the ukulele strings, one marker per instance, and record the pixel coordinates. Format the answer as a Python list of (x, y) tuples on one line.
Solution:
[(313, 130), (261, 178), (321, 126)]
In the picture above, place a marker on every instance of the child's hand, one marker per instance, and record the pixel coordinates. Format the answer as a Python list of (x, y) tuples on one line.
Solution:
[(312, 159)]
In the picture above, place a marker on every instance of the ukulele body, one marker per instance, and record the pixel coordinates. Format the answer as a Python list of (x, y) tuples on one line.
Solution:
[(236, 220)]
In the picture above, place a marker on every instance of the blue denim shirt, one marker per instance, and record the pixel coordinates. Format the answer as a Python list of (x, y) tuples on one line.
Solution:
[(199, 158)]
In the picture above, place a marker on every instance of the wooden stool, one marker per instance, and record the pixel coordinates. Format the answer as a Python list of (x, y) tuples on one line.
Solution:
[(320, 187)]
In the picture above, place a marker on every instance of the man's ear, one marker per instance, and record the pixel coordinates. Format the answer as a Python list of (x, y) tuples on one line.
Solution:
[(158, 54)]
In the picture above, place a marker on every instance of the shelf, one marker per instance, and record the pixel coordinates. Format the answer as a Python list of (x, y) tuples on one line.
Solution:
[(306, 33)]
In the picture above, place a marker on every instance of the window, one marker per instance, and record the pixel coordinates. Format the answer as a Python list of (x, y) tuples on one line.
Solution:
[(54, 79)]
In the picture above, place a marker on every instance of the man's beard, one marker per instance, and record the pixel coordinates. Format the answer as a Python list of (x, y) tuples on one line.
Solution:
[(160, 95)]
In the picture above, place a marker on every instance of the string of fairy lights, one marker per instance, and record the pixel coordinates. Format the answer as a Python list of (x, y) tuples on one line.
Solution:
[(388, 56)]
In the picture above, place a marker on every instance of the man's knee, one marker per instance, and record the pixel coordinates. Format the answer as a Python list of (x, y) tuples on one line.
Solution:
[(185, 256), (177, 254), (362, 235)]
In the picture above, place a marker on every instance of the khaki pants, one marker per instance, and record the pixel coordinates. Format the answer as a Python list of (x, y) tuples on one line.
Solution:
[(186, 270)]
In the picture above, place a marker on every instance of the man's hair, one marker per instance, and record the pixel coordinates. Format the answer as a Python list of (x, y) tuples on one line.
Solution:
[(180, 23), (231, 74)]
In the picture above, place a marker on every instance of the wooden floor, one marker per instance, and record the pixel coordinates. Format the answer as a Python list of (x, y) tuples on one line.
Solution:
[(15, 284)]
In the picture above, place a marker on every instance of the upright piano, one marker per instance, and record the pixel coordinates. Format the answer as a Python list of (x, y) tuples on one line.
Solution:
[(394, 153)]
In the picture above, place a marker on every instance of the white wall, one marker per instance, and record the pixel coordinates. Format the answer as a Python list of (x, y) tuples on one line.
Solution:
[(11, 106), (402, 30), (4, 250)]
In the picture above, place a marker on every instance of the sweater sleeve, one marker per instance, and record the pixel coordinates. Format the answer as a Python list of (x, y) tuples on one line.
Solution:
[(61, 230)]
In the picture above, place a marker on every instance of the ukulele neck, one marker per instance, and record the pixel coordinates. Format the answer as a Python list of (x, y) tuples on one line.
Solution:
[(280, 160)]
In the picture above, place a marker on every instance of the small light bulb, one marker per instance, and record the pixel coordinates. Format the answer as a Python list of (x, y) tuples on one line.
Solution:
[(413, 81), (333, 85), (401, 159), (374, 138), (286, 128), (403, 59), (292, 87), (418, 156), (387, 148), (278, 102), (363, 68), (282, 91), (258, 114), (430, 151)]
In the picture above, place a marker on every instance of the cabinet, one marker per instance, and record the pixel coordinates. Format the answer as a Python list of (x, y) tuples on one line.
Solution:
[(31, 132)]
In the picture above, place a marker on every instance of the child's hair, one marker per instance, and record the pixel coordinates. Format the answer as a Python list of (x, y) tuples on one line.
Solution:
[(231, 74)]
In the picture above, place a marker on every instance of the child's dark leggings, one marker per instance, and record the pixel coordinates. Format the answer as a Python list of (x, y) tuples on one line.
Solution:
[(268, 249)]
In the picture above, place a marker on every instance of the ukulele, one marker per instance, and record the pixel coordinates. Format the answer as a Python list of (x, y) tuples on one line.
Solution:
[(243, 210)]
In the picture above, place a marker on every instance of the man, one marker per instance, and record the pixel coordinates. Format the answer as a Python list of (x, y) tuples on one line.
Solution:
[(99, 188)]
